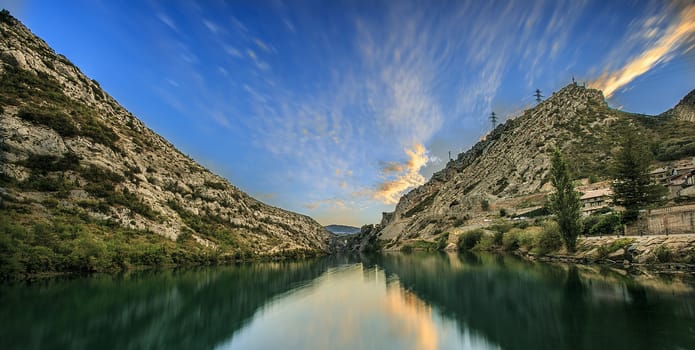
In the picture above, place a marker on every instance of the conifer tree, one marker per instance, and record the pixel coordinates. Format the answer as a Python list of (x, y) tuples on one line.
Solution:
[(632, 187)]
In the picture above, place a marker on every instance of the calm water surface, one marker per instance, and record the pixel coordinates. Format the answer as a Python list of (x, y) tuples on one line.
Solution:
[(416, 301)]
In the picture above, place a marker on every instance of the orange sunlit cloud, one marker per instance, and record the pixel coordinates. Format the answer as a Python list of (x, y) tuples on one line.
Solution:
[(389, 192), (676, 35)]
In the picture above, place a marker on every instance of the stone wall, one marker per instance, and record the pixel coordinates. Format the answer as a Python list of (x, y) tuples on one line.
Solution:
[(665, 221)]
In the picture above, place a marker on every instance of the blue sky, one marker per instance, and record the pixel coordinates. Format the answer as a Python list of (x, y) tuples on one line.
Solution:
[(335, 108)]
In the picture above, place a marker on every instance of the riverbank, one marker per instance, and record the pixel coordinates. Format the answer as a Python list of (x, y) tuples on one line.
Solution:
[(656, 253)]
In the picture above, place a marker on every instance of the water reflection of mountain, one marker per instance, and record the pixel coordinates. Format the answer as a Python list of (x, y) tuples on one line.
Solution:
[(167, 310), (521, 305)]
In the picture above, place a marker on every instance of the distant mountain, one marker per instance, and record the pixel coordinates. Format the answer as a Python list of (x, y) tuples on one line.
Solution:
[(508, 170), (342, 229), (84, 184)]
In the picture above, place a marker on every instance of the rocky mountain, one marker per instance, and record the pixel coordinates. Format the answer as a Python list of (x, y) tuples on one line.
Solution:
[(342, 229), (685, 109), (77, 167), (507, 171)]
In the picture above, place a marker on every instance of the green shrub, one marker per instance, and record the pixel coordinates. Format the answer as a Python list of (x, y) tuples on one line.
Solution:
[(606, 249), (497, 237), (469, 239), (47, 183), (47, 163), (442, 241), (587, 223), (510, 240), (485, 205), (58, 121), (549, 239), (606, 225), (215, 185), (518, 238), (487, 242), (663, 254), (501, 227), (522, 225), (99, 132)]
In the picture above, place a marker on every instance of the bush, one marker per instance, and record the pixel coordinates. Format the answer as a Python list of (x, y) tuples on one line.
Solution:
[(99, 132), (518, 238), (549, 240), (522, 225), (487, 242), (215, 185), (58, 121), (663, 254), (469, 239), (442, 241), (46, 163), (497, 237), (485, 205), (604, 250), (606, 225)]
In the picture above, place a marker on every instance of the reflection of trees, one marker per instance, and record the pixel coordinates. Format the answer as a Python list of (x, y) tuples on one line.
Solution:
[(573, 310), (520, 305), (168, 310)]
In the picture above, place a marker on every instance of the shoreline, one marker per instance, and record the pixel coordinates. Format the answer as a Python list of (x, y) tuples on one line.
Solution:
[(663, 254)]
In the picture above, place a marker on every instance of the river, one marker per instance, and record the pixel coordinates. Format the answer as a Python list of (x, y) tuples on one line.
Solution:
[(394, 301)]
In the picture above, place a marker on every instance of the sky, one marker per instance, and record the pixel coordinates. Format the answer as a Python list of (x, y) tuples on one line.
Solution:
[(334, 109)]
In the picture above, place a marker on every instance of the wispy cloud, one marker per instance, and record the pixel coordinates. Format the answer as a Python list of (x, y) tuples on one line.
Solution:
[(390, 191), (374, 93), (167, 21), (329, 203), (679, 34)]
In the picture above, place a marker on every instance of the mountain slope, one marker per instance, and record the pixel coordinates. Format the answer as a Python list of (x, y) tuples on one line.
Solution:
[(509, 167), (342, 229), (73, 160)]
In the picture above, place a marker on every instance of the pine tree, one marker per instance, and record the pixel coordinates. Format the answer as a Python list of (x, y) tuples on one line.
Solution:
[(565, 203), (632, 187)]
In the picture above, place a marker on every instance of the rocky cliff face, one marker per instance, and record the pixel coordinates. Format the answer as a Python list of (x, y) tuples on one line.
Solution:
[(508, 169), (685, 109), (68, 147)]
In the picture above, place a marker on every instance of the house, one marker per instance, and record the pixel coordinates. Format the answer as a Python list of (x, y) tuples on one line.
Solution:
[(682, 179), (659, 175), (596, 199)]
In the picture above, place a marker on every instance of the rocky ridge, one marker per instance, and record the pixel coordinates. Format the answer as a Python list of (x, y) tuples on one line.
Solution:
[(68, 147), (685, 109)]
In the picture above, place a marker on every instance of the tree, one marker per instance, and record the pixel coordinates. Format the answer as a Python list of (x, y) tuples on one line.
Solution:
[(632, 187), (565, 203)]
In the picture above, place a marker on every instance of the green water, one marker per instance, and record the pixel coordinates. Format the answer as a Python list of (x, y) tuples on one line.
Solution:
[(416, 301)]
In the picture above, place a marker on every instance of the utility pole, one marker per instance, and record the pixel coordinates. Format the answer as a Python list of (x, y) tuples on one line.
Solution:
[(450, 156), (493, 120), (538, 96)]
